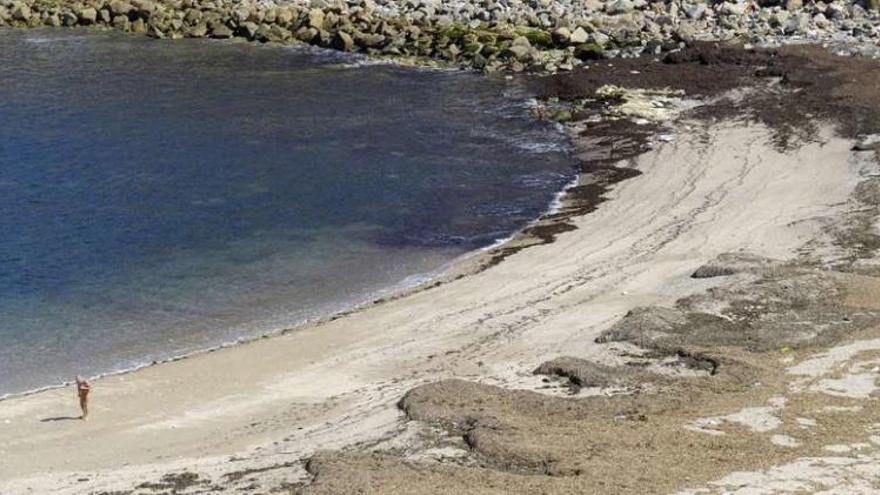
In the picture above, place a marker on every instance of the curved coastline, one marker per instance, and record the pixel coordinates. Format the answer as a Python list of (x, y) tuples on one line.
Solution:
[(721, 184), (463, 265)]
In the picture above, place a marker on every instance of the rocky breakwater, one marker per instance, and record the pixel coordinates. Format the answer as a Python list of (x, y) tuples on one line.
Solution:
[(491, 35)]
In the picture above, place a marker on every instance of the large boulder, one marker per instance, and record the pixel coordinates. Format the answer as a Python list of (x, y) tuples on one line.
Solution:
[(87, 16), (619, 7), (315, 19), (562, 35), (343, 41), (120, 22), (735, 9), (369, 40), (248, 30), (21, 12), (68, 19), (578, 36), (520, 49), (139, 26), (146, 8), (284, 17), (197, 31), (120, 7), (589, 51), (221, 31)]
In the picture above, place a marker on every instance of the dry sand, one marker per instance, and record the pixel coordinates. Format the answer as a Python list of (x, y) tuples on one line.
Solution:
[(250, 413)]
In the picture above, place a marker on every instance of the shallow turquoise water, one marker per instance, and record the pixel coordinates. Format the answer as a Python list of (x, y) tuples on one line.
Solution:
[(162, 197)]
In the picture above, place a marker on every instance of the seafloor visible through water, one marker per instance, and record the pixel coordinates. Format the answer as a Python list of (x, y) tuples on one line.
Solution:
[(161, 197)]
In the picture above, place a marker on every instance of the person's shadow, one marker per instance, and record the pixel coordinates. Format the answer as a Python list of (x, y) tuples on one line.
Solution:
[(59, 418)]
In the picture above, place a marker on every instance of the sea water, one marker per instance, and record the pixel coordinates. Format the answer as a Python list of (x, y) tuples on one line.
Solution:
[(161, 197)]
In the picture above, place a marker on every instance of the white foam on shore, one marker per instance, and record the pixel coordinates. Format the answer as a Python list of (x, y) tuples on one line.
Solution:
[(559, 198)]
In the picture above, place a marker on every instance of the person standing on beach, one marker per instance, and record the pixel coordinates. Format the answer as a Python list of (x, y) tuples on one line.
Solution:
[(82, 390)]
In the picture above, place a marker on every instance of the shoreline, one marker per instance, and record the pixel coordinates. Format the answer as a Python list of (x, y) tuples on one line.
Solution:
[(549, 37), (468, 263), (192, 414)]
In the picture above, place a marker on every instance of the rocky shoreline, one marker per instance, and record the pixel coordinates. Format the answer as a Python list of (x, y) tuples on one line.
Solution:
[(496, 35)]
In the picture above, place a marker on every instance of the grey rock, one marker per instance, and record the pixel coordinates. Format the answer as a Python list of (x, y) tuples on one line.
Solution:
[(797, 24), (369, 40), (686, 32), (284, 17), (562, 35), (578, 36), (599, 38), (696, 12), (120, 22), (87, 15), (120, 7), (156, 32), (519, 52), (620, 7), (344, 42), (145, 7), (868, 143), (241, 14), (21, 12), (734, 8), (221, 31), (779, 18), (248, 30), (68, 19), (315, 18), (139, 26)]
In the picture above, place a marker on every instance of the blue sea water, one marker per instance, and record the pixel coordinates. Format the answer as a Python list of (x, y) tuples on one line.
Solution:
[(162, 197)]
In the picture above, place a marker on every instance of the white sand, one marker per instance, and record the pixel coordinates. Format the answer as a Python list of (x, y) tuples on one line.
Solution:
[(272, 401)]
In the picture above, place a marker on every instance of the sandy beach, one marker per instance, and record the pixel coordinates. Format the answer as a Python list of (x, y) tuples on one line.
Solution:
[(252, 413), (753, 178)]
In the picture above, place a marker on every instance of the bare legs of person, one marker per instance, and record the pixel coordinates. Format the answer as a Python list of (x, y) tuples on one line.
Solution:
[(84, 406), (82, 390)]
